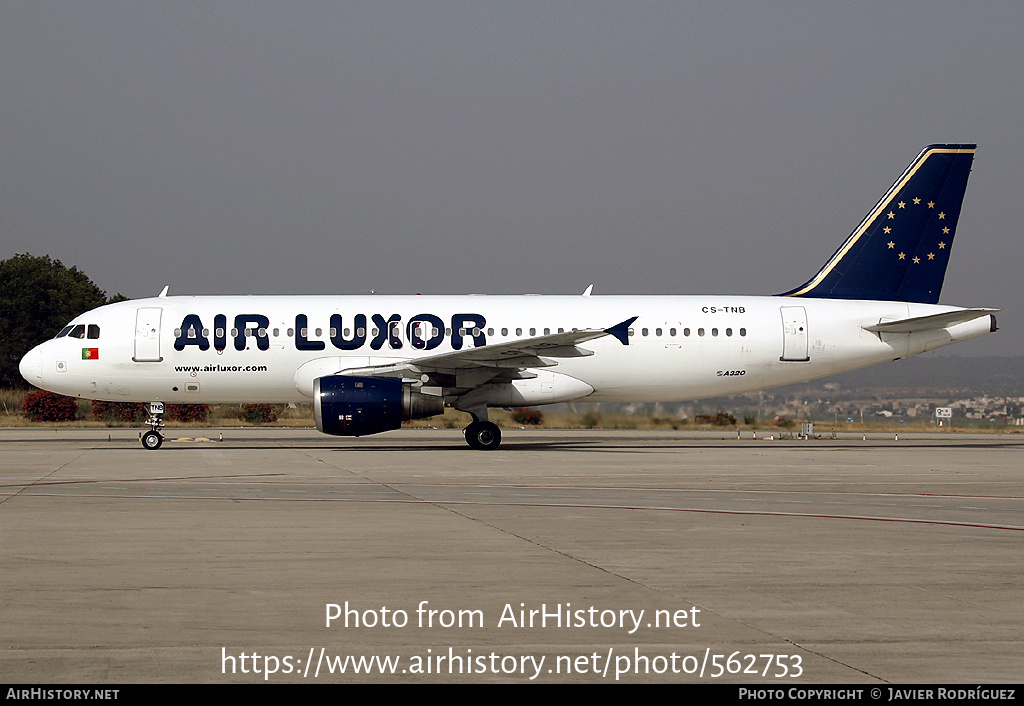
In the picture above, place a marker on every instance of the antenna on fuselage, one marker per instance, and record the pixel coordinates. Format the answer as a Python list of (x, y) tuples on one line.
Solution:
[(163, 292)]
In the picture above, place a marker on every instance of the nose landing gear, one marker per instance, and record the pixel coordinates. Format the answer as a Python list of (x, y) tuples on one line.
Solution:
[(153, 439)]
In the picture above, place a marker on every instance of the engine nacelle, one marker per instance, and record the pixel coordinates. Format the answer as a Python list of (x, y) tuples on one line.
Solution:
[(356, 406)]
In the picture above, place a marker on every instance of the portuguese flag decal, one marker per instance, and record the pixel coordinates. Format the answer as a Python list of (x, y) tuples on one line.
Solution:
[(90, 354)]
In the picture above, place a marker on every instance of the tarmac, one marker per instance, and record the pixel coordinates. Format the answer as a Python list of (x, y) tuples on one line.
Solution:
[(284, 556)]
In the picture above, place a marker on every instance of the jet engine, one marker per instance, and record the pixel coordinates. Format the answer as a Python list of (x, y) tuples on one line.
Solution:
[(356, 406)]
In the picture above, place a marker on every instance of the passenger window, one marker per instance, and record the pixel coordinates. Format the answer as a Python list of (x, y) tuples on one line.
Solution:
[(700, 332), (672, 332), (547, 331), (743, 332), (728, 332), (519, 332), (533, 332), (686, 332), (504, 332), (643, 332), (94, 331), (714, 332), (657, 332)]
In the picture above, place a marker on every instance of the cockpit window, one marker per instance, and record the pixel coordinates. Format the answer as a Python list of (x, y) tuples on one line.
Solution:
[(80, 331)]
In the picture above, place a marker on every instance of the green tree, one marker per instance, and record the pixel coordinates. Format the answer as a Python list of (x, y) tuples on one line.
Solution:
[(38, 296)]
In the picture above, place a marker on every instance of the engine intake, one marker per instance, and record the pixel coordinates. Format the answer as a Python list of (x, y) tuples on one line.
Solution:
[(356, 406)]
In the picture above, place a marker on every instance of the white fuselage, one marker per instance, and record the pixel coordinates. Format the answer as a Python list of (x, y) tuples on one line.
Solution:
[(183, 349)]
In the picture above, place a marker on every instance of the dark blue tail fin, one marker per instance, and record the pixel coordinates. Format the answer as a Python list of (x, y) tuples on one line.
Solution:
[(900, 250)]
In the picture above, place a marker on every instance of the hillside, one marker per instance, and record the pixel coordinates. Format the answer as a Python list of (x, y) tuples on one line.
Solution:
[(931, 376)]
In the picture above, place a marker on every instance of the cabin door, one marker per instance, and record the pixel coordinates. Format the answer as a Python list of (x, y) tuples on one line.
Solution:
[(147, 335), (794, 334)]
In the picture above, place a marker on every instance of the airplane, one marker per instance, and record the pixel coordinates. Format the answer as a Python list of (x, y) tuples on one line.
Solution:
[(367, 363)]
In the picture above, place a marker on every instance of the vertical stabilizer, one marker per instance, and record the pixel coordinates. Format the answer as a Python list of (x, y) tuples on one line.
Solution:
[(900, 250)]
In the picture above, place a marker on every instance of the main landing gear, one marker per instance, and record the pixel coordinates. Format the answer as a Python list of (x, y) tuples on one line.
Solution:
[(153, 439), (483, 435)]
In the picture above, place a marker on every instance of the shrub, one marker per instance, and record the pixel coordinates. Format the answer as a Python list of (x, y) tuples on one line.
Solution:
[(43, 406), (198, 413), (525, 415), (721, 419), (119, 411), (259, 413)]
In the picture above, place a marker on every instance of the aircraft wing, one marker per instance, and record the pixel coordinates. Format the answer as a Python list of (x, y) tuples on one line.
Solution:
[(509, 357), (929, 323)]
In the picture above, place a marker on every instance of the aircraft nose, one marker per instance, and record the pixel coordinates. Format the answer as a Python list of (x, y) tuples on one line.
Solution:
[(31, 366)]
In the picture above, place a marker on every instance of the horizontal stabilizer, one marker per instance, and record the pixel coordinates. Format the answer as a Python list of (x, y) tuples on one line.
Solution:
[(930, 323)]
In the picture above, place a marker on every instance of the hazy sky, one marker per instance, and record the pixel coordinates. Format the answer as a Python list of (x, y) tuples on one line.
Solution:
[(500, 147)]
